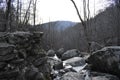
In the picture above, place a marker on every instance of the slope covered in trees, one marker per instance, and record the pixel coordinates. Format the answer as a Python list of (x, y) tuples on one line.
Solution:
[(103, 29)]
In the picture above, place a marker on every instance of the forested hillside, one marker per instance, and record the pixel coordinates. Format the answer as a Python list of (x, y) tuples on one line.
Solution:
[(103, 29)]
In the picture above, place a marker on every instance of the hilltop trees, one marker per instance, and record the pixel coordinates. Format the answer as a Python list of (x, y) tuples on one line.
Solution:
[(17, 14)]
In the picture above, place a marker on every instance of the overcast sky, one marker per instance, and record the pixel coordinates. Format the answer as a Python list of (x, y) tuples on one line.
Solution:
[(53, 10)]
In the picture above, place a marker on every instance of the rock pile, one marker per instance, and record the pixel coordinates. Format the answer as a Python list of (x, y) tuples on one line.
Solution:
[(21, 57), (75, 67)]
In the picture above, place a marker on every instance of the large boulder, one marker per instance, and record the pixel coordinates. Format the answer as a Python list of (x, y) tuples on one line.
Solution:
[(106, 60), (70, 53), (75, 61)]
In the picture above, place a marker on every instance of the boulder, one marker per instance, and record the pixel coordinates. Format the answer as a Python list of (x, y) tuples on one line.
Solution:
[(51, 53), (60, 52), (58, 66), (103, 76), (70, 53), (72, 76), (75, 61), (106, 60)]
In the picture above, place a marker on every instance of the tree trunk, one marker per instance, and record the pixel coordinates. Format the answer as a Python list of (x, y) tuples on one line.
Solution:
[(7, 26)]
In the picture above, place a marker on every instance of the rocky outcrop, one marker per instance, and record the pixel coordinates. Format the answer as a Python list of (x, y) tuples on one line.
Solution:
[(106, 60), (21, 57)]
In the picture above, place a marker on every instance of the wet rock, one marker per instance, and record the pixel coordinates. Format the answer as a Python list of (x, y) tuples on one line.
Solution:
[(106, 60), (70, 53), (51, 53), (75, 61)]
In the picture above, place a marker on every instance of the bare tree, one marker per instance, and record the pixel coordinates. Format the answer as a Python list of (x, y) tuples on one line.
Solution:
[(26, 17), (8, 8), (34, 11), (85, 15)]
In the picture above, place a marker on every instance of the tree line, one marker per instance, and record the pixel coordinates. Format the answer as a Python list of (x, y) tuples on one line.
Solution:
[(16, 14)]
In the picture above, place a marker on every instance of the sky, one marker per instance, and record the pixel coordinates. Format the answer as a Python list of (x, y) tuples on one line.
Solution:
[(54, 10)]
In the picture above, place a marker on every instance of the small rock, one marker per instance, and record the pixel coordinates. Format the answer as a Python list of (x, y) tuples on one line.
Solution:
[(51, 53)]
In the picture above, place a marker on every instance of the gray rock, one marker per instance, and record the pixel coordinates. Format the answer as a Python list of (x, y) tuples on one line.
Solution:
[(58, 66), (9, 74), (75, 61), (19, 37), (70, 53), (40, 61), (106, 60), (51, 53), (94, 46), (2, 65), (8, 57), (60, 52), (72, 76), (103, 76), (52, 61), (6, 48)]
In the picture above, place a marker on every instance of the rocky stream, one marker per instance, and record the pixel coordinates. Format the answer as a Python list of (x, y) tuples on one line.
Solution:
[(21, 58)]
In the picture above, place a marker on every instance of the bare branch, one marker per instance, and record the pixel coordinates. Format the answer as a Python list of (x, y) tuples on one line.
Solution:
[(78, 13)]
